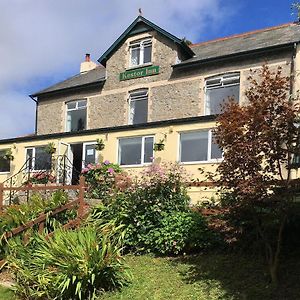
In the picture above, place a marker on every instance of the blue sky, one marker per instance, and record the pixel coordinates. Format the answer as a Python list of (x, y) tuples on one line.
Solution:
[(44, 41)]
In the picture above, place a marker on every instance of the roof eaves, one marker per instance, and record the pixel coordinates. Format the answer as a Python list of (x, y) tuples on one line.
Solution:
[(232, 55), (198, 119), (76, 87)]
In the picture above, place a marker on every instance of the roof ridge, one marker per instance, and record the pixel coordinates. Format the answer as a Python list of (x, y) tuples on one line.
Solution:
[(244, 34)]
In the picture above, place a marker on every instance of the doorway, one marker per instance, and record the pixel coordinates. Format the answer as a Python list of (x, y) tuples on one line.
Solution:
[(77, 154)]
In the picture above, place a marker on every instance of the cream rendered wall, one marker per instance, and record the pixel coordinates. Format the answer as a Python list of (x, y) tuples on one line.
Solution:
[(171, 152)]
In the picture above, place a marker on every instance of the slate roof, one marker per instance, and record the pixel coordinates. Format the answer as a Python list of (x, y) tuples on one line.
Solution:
[(242, 43), (96, 75)]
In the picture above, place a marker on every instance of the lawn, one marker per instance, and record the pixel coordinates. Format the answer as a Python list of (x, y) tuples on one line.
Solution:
[(203, 277), (6, 294)]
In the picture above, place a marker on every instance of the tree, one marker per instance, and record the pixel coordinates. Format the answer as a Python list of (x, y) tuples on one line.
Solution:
[(259, 141)]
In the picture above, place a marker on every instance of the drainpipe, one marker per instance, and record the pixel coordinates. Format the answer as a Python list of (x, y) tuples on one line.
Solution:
[(293, 76), (36, 112)]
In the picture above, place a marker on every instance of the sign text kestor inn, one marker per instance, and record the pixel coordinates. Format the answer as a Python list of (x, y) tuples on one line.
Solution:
[(142, 72)]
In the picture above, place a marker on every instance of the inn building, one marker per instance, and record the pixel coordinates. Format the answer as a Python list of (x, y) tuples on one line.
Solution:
[(149, 88)]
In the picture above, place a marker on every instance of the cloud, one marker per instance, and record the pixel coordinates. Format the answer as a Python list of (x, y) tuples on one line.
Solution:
[(43, 42)]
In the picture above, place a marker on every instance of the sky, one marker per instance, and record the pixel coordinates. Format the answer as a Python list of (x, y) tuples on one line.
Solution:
[(43, 42)]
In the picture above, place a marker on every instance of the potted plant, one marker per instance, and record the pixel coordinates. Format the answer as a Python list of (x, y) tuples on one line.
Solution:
[(8, 155), (159, 146), (100, 145), (50, 148)]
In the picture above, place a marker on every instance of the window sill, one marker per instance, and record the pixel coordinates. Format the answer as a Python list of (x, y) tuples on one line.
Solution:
[(135, 166), (204, 162), (4, 173), (139, 66)]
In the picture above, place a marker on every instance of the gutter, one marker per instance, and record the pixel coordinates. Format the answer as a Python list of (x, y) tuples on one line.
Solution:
[(36, 112), (104, 130)]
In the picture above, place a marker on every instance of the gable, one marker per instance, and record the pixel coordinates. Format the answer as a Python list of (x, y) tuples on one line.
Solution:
[(142, 25)]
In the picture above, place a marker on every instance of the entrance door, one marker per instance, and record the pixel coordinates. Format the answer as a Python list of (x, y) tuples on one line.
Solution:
[(77, 153)]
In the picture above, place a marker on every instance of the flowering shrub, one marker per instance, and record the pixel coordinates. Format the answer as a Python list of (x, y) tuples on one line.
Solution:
[(41, 178), (101, 178), (155, 213)]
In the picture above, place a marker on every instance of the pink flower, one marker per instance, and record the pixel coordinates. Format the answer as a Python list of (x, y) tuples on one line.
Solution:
[(85, 170), (106, 162), (110, 170)]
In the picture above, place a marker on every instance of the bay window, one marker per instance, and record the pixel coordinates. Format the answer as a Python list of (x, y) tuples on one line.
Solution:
[(198, 146), (219, 89), (136, 150)]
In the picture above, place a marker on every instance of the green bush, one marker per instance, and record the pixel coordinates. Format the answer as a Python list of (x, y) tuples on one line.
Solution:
[(16, 215), (70, 265), (101, 178), (149, 208), (181, 232)]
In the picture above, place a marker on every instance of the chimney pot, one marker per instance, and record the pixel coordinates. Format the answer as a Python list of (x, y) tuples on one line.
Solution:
[(87, 57)]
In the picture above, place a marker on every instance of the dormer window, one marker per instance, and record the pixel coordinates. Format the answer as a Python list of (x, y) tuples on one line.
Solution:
[(76, 115), (140, 52)]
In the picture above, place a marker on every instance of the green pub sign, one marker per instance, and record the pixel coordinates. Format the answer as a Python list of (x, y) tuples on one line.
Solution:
[(142, 72)]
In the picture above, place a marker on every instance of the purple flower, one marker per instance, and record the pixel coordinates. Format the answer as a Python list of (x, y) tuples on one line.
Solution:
[(106, 162), (110, 170)]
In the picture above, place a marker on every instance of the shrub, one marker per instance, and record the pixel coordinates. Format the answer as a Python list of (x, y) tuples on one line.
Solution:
[(101, 178), (16, 215), (181, 232), (70, 265), (149, 208)]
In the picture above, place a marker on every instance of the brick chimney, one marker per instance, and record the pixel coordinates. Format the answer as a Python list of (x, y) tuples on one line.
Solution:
[(87, 65)]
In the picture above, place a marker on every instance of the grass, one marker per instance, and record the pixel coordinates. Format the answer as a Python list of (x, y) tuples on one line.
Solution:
[(6, 294), (213, 276), (206, 277)]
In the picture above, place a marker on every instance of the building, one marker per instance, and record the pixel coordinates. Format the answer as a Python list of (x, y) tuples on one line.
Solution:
[(148, 87)]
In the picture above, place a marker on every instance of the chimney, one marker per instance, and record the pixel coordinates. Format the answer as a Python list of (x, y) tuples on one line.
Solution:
[(87, 65)]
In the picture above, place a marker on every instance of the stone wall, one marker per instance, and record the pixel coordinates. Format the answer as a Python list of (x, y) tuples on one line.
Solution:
[(107, 111), (177, 100)]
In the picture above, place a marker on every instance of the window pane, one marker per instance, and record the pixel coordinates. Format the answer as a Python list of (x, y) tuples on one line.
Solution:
[(148, 150), (71, 105), (130, 151), (76, 120), (81, 103), (90, 154), (139, 111), (216, 97), (29, 156), (216, 152), (147, 54), (135, 56), (193, 146), (43, 160), (4, 163)]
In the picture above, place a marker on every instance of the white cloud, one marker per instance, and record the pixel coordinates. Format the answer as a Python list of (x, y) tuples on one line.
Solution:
[(43, 41)]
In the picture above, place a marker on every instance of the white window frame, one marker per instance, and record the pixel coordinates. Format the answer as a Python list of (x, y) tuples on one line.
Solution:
[(73, 109), (142, 152), (84, 150), (33, 170), (223, 79), (141, 44), (139, 98), (209, 143), (6, 172)]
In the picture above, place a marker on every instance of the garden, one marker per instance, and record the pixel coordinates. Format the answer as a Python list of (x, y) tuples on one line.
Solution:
[(144, 240)]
